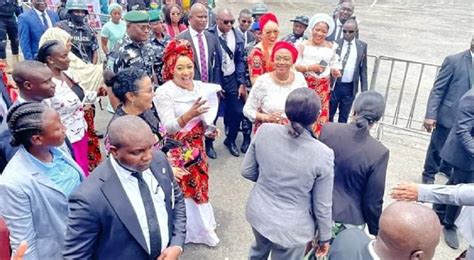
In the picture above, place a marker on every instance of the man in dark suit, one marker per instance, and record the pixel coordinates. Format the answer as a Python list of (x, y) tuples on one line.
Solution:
[(245, 20), (345, 11), (233, 67), (211, 16), (458, 153), (32, 25), (407, 231), (454, 79), (353, 53), (207, 54), (130, 207)]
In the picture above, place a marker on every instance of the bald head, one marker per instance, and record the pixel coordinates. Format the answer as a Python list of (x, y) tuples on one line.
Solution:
[(407, 231), (34, 80), (225, 20), (127, 129), (198, 17)]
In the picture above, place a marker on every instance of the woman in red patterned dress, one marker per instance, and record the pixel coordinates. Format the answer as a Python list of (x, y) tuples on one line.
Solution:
[(259, 59), (319, 61), (183, 108)]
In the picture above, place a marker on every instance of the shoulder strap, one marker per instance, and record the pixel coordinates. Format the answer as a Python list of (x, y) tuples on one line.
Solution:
[(226, 48)]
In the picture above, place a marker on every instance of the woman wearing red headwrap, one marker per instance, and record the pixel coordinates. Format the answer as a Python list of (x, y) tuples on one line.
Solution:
[(259, 58), (266, 102), (187, 109)]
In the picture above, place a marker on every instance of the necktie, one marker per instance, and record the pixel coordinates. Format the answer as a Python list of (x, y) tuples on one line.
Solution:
[(152, 219), (203, 59), (45, 22), (339, 32), (225, 60), (346, 56)]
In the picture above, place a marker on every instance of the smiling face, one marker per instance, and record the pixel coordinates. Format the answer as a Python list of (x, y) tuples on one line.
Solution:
[(345, 11), (319, 32), (184, 72), (283, 61), (157, 27), (270, 32)]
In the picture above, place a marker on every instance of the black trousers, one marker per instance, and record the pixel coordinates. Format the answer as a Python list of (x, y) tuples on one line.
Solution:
[(448, 213), (8, 27), (341, 98), (233, 106), (433, 162)]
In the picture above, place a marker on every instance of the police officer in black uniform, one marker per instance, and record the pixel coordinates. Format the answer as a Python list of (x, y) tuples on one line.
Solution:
[(159, 40), (84, 40), (9, 26), (134, 49)]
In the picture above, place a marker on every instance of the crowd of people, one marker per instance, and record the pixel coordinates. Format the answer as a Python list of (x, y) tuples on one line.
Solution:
[(169, 75)]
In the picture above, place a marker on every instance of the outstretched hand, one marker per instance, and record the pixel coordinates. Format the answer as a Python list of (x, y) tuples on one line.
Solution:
[(405, 192)]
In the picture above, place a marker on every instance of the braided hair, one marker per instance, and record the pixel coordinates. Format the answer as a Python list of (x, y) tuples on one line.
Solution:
[(24, 121), (46, 50)]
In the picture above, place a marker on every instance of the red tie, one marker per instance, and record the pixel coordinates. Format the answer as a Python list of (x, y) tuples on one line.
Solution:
[(203, 59)]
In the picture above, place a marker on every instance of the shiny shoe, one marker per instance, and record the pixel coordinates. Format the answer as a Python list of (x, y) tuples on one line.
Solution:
[(211, 153), (451, 237), (232, 148)]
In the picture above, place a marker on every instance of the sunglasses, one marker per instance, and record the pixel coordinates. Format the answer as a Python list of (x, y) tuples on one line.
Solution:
[(226, 22), (348, 31), (246, 21)]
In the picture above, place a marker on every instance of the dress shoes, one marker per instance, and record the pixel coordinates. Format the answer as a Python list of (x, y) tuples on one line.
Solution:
[(245, 144), (211, 153), (232, 148), (451, 237)]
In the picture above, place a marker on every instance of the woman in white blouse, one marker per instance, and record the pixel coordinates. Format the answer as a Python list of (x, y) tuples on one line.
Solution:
[(186, 108), (266, 102), (319, 61), (69, 100)]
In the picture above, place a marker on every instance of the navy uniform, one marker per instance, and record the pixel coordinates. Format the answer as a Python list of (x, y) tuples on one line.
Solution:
[(292, 37), (84, 40), (128, 52), (158, 46), (9, 26)]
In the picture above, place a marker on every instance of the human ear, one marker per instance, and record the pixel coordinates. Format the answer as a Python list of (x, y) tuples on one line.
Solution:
[(36, 140)]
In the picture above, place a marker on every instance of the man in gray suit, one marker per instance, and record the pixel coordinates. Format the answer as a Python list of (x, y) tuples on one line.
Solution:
[(207, 54), (461, 195), (407, 231), (353, 53), (454, 79), (130, 207)]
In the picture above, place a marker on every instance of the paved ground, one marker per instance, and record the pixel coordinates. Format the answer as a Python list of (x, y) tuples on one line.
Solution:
[(422, 30)]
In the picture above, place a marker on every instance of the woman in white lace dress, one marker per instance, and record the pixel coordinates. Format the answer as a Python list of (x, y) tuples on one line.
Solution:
[(184, 110), (266, 102), (319, 61)]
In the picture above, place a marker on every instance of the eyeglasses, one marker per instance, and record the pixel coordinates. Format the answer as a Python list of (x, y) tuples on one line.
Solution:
[(226, 22), (349, 31), (245, 21)]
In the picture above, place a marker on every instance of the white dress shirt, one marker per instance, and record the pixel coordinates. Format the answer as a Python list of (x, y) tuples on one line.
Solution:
[(194, 36), (40, 15), (348, 73), (228, 64), (130, 185)]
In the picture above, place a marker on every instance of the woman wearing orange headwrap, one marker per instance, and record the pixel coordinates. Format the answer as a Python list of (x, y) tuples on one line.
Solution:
[(259, 59), (187, 108), (266, 102)]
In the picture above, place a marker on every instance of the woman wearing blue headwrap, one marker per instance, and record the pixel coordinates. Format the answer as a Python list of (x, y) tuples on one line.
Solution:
[(113, 30)]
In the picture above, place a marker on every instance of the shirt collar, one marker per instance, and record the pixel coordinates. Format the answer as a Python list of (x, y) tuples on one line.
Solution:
[(353, 40), (122, 173), (39, 12), (194, 32)]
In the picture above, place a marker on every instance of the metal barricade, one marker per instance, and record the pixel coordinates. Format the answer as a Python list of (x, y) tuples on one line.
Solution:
[(406, 85)]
